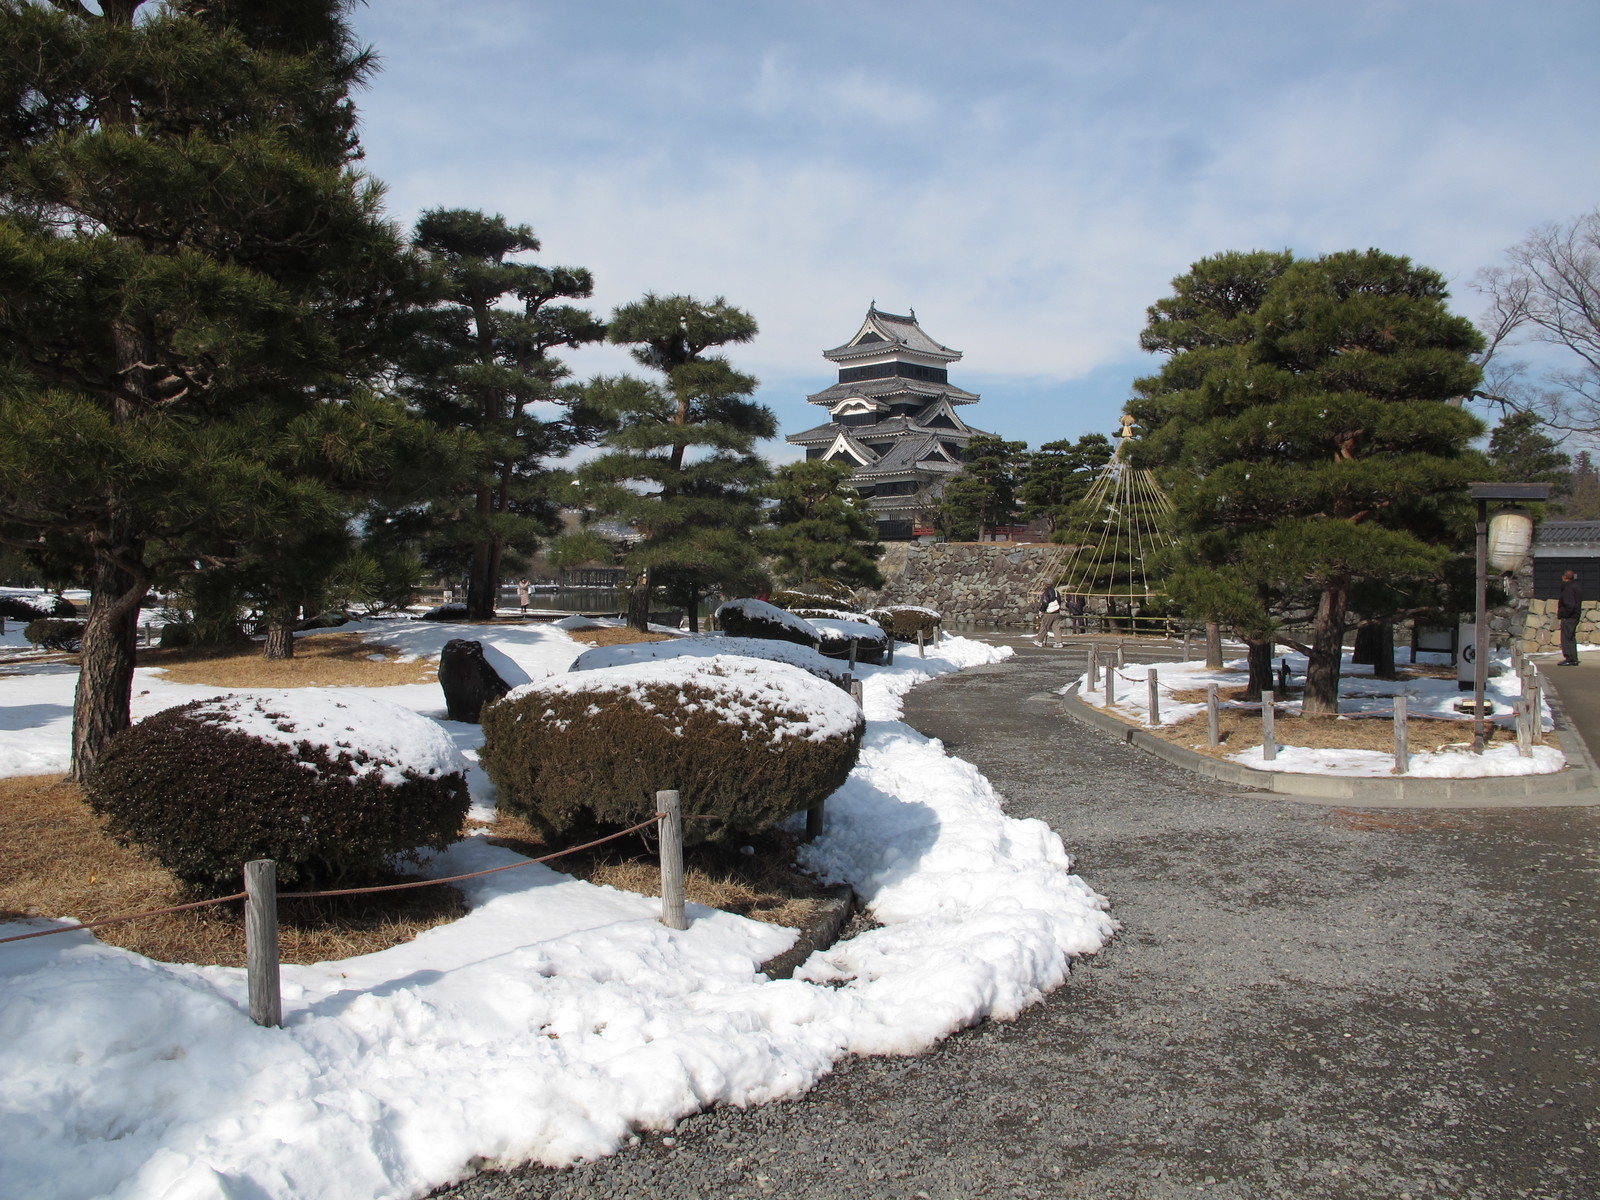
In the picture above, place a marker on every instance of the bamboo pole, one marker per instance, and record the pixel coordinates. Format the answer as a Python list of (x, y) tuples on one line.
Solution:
[(261, 941), (1269, 726), (1155, 698), (1213, 717), (672, 914)]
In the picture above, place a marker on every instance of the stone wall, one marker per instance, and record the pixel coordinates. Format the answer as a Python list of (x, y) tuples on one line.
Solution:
[(1543, 632), (981, 583)]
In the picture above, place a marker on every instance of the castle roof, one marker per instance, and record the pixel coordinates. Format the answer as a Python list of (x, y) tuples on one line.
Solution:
[(893, 386), (883, 332)]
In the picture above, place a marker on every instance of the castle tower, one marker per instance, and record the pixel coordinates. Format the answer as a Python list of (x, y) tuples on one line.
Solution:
[(892, 417)]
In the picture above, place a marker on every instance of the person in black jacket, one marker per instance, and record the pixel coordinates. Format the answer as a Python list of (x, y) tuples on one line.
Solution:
[(1568, 609), (1049, 614)]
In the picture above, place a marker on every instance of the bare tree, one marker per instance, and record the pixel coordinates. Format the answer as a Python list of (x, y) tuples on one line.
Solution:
[(1549, 292)]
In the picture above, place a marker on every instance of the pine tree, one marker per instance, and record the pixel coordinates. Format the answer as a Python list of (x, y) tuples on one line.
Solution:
[(1303, 424), (480, 366), (1523, 453), (187, 262), (985, 493), (679, 464), (1056, 476), (819, 527)]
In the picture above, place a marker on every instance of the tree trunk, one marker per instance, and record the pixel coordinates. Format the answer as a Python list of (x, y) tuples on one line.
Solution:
[(694, 610), (1213, 645), (483, 580), (639, 603), (1327, 646), (1259, 655), (1374, 647), (280, 634), (101, 706), (1383, 659)]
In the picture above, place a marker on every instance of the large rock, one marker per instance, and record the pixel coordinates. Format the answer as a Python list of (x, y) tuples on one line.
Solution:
[(469, 682)]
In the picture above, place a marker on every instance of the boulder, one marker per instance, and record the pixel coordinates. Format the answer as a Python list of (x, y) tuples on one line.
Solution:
[(469, 682)]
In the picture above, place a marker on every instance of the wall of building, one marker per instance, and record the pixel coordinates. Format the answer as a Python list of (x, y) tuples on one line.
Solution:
[(977, 583)]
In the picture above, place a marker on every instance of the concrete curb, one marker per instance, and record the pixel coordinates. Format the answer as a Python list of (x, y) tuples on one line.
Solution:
[(1578, 785)]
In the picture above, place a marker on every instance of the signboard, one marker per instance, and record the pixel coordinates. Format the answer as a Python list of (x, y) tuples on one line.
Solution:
[(1466, 653)]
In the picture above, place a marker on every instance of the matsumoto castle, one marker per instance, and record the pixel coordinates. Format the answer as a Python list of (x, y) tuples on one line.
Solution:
[(892, 416)]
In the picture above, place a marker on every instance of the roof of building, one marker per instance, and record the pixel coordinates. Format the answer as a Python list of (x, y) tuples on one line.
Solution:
[(889, 427), (880, 389), (1568, 533), (898, 332)]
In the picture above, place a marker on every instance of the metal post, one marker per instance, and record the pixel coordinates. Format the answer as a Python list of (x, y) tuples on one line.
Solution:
[(1213, 717), (1155, 699), (1402, 752), (261, 941), (667, 807), (1480, 637), (1269, 726)]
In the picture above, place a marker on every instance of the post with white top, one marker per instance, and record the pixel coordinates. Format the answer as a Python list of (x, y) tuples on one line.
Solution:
[(1155, 698), (671, 814), (1213, 717), (261, 941), (1269, 725), (1402, 751)]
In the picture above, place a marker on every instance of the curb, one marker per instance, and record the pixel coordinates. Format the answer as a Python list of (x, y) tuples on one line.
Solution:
[(1578, 785), (837, 903)]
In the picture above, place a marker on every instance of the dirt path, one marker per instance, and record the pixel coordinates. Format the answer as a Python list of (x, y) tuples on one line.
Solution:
[(1304, 1002)]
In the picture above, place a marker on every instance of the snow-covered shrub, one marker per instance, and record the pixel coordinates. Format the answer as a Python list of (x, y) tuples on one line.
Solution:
[(32, 608), (333, 787), (445, 612), (872, 643), (803, 657), (816, 593), (744, 741), (903, 621), (758, 619), (53, 633)]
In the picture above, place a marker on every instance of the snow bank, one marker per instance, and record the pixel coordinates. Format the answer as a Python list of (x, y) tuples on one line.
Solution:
[(550, 1022), (792, 653), (760, 610)]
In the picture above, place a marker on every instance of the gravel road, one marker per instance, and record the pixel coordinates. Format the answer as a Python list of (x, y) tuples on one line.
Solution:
[(1303, 1002)]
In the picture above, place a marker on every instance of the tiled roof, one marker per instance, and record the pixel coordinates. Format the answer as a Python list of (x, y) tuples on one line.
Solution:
[(880, 389), (895, 330), (1567, 533)]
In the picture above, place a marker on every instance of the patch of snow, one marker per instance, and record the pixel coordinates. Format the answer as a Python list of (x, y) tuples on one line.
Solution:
[(792, 653)]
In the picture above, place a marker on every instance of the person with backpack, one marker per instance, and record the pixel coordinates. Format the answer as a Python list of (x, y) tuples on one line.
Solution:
[(1049, 614)]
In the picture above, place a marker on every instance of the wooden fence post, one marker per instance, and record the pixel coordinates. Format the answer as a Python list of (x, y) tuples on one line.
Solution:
[(1111, 686), (261, 941), (857, 693), (672, 915), (1155, 698), (1536, 713), (1186, 646), (888, 659), (1119, 656), (922, 638), (1524, 728), (1213, 717), (1402, 750), (1093, 669), (1269, 725), (855, 651)]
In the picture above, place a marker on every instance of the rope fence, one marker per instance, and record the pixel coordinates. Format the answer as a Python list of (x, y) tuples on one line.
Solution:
[(261, 898)]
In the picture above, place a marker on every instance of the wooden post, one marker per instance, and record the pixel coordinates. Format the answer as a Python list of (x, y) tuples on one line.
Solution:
[(1186, 645), (1536, 713), (922, 638), (1213, 717), (1524, 728), (855, 651), (1269, 726), (1119, 656), (888, 656), (672, 915), (1094, 670), (1402, 751), (856, 693), (261, 941), (1155, 698), (1111, 686)]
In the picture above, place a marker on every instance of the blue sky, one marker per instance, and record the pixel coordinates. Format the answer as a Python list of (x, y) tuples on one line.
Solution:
[(1028, 176)]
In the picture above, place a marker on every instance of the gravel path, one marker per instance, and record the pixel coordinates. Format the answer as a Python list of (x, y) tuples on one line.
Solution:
[(1303, 1002)]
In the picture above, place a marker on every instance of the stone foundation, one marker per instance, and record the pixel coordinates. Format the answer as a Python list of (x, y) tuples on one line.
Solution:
[(1542, 632), (969, 583)]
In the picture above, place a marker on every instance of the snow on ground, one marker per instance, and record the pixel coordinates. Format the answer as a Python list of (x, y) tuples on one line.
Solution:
[(1361, 696), (547, 1024)]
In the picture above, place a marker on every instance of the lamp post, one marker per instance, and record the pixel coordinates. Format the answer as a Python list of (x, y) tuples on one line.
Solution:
[(1483, 493)]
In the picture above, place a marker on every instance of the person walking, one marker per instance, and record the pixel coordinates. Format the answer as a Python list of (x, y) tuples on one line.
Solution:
[(1568, 609), (522, 596), (1049, 614), (1075, 612)]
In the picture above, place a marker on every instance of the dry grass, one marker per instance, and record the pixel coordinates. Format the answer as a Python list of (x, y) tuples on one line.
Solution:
[(326, 660), (761, 886), (55, 861), (616, 637)]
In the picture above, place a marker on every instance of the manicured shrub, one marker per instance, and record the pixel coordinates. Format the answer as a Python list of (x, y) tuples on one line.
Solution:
[(445, 612), (334, 787), (903, 621), (758, 619), (746, 742), (628, 653), (816, 593), (53, 633), (31, 608), (872, 643), (176, 635)]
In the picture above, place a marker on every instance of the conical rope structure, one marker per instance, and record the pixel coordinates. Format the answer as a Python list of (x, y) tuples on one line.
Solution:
[(1122, 521)]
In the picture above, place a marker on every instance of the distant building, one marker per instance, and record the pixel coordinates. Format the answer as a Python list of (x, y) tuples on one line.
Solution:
[(892, 416)]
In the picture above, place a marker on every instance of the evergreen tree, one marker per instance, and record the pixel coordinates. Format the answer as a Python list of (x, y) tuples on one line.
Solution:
[(1583, 500), (679, 464), (985, 493), (1056, 476), (1303, 424), (480, 366), (1522, 452), (186, 261), (819, 527)]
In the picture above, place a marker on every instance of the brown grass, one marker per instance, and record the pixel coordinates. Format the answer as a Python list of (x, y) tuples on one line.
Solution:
[(761, 886), (55, 861), (325, 660), (616, 637)]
